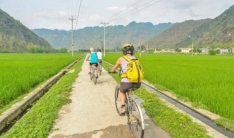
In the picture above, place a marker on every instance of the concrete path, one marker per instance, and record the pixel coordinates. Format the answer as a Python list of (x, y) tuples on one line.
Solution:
[(92, 113)]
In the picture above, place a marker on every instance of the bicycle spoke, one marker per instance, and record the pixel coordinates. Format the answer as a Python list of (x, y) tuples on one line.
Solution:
[(135, 122)]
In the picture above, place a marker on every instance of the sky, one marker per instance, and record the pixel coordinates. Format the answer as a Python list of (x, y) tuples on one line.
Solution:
[(57, 14)]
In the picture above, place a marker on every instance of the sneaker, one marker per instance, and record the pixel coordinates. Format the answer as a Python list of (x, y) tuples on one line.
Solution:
[(123, 110), (89, 73)]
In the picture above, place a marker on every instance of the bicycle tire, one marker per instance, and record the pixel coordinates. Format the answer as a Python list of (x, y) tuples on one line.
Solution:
[(117, 100), (94, 80), (100, 69), (91, 76), (136, 120), (95, 77), (91, 73)]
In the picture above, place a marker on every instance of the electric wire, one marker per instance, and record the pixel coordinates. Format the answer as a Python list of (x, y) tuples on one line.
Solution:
[(78, 13), (124, 10), (145, 5)]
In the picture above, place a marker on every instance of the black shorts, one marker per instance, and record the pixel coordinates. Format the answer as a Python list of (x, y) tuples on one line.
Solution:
[(125, 86), (95, 64)]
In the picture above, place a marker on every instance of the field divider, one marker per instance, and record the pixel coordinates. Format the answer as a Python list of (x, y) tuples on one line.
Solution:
[(16, 110)]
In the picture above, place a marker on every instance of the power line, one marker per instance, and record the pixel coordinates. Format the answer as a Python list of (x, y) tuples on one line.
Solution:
[(78, 14), (145, 5), (124, 10)]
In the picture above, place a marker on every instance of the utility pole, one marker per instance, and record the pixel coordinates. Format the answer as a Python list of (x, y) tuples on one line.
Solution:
[(72, 19), (104, 41), (192, 46), (140, 45)]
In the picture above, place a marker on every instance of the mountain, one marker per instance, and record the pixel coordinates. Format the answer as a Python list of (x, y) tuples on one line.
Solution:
[(134, 33), (15, 37), (210, 33), (175, 35), (217, 33)]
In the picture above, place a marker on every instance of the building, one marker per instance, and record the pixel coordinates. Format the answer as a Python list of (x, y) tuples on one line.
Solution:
[(185, 50)]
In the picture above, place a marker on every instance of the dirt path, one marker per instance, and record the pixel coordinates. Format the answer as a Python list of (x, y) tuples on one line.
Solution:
[(92, 114)]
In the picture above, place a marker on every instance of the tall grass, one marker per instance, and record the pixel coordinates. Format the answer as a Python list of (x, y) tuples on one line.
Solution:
[(19, 73), (202, 79)]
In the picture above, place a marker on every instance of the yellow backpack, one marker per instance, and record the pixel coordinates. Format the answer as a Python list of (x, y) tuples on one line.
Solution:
[(134, 70)]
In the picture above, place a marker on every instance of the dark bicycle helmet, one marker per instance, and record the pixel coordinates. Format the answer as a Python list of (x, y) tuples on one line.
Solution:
[(127, 49)]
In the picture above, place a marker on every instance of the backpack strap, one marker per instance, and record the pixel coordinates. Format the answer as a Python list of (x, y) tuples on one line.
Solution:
[(124, 75), (126, 58)]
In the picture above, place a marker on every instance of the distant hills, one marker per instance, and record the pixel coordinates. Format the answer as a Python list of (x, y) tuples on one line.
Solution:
[(205, 33), (15, 37), (115, 36)]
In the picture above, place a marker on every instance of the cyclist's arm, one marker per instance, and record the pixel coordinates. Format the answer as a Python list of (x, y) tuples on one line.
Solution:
[(87, 59), (117, 64)]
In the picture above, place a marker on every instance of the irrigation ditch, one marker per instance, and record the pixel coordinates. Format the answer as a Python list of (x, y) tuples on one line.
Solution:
[(204, 116), (10, 116)]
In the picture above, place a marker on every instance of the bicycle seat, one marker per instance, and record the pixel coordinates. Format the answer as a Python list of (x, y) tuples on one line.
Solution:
[(93, 66)]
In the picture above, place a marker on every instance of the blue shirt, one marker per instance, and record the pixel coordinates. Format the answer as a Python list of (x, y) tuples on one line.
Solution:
[(93, 57)]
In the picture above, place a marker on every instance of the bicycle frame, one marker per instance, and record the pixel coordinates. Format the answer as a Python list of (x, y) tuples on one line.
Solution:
[(130, 101), (133, 113)]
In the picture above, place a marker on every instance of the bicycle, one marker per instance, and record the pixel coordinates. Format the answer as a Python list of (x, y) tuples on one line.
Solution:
[(94, 74), (100, 68), (133, 111)]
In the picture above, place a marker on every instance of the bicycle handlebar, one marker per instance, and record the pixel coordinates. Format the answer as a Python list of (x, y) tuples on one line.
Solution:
[(115, 72)]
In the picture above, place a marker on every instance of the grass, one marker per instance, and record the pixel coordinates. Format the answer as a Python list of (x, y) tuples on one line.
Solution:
[(205, 81), (40, 118), (177, 124), (20, 73)]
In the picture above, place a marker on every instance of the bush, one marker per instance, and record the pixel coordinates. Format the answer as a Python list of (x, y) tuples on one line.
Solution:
[(212, 52)]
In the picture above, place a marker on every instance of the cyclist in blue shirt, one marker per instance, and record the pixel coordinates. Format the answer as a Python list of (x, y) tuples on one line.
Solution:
[(93, 59)]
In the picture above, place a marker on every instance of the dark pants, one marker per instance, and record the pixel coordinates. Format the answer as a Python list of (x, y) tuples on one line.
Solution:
[(126, 86)]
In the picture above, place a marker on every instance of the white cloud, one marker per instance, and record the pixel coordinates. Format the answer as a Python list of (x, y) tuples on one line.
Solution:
[(55, 13)]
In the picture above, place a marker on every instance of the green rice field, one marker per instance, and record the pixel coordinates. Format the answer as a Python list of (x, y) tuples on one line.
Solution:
[(20, 73), (206, 81)]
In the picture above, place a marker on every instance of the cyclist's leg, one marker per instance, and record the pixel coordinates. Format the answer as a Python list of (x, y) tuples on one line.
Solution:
[(124, 87), (90, 64), (96, 65)]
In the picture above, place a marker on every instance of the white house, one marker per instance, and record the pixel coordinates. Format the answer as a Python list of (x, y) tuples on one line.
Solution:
[(185, 50)]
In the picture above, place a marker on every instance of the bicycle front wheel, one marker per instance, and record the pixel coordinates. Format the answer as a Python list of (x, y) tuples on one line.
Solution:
[(136, 121), (117, 100)]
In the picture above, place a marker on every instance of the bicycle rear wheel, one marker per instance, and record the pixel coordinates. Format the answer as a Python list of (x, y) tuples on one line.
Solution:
[(117, 100), (91, 73), (95, 77), (136, 121), (100, 69), (91, 76)]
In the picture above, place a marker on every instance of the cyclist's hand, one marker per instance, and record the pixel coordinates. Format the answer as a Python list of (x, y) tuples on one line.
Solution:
[(110, 72)]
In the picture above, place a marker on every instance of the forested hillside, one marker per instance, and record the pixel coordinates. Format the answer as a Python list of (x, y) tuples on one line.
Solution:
[(209, 33), (135, 33), (217, 33), (176, 36), (15, 37)]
